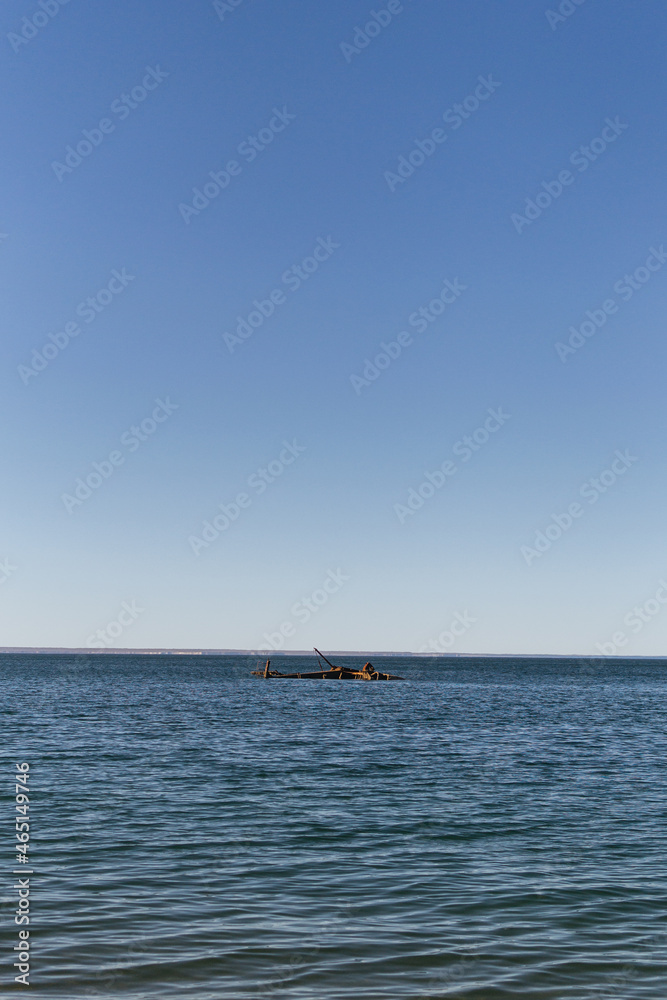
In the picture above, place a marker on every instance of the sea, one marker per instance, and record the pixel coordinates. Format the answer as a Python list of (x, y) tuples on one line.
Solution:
[(487, 828)]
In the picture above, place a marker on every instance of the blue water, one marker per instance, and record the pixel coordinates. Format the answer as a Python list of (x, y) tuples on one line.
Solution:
[(485, 829)]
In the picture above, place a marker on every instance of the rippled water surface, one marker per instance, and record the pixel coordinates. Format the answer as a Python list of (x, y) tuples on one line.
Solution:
[(485, 829)]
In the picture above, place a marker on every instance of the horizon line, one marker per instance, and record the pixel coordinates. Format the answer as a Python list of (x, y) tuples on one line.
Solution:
[(176, 651)]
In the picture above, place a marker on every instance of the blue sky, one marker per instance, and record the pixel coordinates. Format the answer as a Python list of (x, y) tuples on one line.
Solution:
[(151, 101)]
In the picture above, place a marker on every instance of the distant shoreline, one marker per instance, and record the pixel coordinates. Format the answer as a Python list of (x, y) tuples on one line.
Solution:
[(273, 654)]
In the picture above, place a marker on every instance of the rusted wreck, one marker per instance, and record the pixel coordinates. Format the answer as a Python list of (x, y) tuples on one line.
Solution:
[(367, 673)]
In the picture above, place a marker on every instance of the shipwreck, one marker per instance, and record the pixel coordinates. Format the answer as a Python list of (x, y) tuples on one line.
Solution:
[(333, 673)]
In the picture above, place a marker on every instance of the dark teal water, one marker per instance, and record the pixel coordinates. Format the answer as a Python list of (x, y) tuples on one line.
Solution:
[(485, 830)]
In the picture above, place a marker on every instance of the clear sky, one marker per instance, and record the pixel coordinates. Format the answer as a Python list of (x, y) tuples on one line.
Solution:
[(212, 218)]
